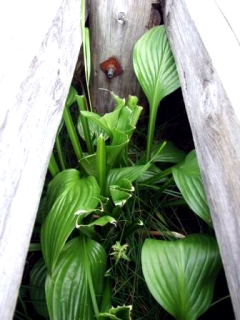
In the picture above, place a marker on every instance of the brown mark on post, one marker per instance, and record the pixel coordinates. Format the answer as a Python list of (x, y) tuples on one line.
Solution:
[(111, 67)]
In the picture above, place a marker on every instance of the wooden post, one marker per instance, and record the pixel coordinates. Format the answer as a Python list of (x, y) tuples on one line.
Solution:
[(40, 44), (205, 37), (115, 26)]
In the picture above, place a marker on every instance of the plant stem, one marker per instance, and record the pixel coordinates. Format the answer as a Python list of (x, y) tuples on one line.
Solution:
[(52, 166), (60, 154), (101, 163), (151, 129), (72, 133), (82, 107)]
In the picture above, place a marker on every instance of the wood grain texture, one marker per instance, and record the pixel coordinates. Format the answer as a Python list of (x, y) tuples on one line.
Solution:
[(115, 26), (38, 56), (212, 102)]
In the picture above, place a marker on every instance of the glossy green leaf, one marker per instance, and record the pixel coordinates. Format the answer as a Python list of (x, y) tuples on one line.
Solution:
[(71, 194), (156, 71), (189, 181), (130, 173), (181, 274), (169, 153), (121, 192), (75, 288), (38, 276)]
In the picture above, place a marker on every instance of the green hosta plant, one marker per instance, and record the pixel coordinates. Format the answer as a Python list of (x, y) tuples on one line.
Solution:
[(181, 274), (155, 69), (80, 199)]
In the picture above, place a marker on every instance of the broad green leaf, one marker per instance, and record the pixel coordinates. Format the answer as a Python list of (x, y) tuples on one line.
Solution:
[(169, 153), (89, 164), (106, 122), (118, 313), (156, 71), (189, 182), (75, 288), (38, 276), (71, 194), (181, 274), (130, 173), (150, 173)]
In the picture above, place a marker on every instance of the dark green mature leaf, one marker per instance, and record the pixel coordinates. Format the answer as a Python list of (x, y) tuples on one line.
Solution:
[(156, 71), (67, 194), (75, 288), (181, 274), (37, 287), (169, 153), (115, 176), (189, 182)]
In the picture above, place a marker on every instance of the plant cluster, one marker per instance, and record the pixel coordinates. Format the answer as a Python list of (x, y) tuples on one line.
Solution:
[(86, 216)]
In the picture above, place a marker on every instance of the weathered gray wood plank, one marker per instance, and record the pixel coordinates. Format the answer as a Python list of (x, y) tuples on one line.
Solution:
[(40, 44), (207, 53), (115, 27)]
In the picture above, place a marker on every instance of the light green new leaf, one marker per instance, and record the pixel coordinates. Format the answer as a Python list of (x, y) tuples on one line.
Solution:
[(189, 182), (121, 192), (113, 154), (74, 290), (118, 313), (38, 276), (181, 274), (101, 164), (156, 71), (71, 194)]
